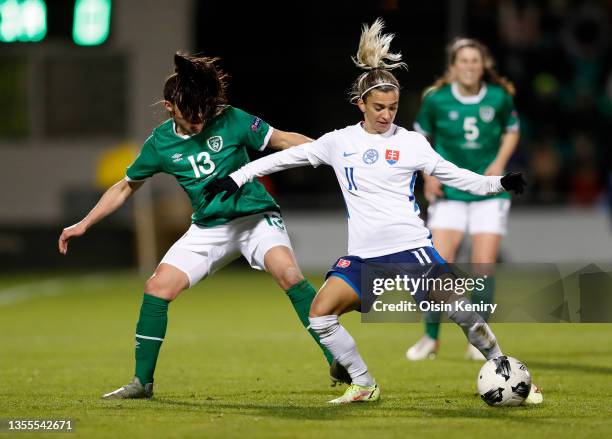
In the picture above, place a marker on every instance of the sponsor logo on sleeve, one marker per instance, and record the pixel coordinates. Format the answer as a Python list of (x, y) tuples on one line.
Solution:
[(255, 125), (392, 156), (343, 263)]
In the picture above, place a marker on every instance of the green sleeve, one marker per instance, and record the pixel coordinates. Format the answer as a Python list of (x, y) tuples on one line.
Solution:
[(425, 121), (254, 132), (147, 162), (508, 116)]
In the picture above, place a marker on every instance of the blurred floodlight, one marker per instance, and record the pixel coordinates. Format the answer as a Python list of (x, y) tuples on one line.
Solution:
[(22, 20), (91, 24)]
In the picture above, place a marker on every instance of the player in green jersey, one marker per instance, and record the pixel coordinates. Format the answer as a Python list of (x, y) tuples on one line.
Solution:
[(204, 138), (469, 116)]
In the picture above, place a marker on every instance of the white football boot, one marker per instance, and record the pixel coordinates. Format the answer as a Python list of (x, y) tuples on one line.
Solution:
[(357, 393), (425, 348), (535, 396), (133, 390)]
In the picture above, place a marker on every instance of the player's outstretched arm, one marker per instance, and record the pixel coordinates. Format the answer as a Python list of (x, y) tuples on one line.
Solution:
[(452, 175), (110, 201), (284, 139), (289, 158), (314, 153)]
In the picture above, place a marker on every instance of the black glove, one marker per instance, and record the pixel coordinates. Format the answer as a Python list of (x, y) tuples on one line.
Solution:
[(513, 181), (224, 184)]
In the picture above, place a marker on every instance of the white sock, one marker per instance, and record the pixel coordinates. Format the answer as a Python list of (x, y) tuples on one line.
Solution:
[(477, 331), (342, 346)]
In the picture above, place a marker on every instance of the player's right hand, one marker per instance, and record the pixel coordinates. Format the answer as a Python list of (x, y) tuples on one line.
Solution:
[(220, 185), (69, 232), (432, 188)]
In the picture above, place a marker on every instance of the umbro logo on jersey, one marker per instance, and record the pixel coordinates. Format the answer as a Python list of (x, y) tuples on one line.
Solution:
[(453, 115), (348, 154), (392, 156), (215, 143), (177, 157), (343, 263)]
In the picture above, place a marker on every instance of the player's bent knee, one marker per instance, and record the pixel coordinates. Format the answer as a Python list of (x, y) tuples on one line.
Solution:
[(157, 289), (165, 287), (292, 276), (288, 277), (319, 309), (281, 264)]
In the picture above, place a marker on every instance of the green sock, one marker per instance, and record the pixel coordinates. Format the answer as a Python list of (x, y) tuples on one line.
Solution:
[(301, 295), (432, 324), (150, 332)]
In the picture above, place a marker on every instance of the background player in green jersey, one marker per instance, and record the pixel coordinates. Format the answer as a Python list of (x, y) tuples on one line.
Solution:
[(469, 116), (203, 139)]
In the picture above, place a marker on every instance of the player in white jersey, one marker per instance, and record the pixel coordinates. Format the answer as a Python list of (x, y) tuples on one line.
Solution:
[(376, 163)]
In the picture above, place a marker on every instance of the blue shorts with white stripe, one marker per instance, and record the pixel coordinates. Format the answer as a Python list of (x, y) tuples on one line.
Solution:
[(422, 262)]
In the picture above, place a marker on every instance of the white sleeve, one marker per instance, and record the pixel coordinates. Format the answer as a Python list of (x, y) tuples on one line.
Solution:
[(313, 153), (454, 176), (432, 163)]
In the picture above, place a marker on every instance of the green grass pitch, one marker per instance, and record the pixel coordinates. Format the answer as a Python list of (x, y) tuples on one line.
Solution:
[(237, 363)]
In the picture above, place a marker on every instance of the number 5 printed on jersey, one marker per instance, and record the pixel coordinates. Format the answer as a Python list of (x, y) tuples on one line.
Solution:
[(471, 130)]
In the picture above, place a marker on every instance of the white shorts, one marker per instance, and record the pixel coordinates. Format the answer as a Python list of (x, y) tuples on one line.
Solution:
[(473, 217), (203, 250)]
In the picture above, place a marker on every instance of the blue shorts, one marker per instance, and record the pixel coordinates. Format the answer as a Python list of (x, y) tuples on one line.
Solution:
[(417, 262)]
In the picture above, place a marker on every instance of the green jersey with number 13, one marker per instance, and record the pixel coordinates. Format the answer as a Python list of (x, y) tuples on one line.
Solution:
[(217, 151), (467, 130)]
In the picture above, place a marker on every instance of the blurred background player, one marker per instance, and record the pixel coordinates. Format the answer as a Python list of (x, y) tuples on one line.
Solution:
[(376, 164), (469, 117), (204, 137)]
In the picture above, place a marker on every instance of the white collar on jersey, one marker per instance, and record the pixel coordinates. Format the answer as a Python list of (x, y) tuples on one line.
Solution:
[(390, 132), (182, 136), (475, 99)]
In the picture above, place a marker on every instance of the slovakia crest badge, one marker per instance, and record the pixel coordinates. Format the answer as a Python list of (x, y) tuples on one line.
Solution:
[(392, 156), (343, 263)]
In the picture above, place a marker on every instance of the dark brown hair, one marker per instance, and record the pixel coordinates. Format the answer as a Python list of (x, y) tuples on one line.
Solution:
[(197, 87), (490, 75)]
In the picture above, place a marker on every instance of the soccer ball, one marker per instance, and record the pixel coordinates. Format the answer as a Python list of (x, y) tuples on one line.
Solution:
[(504, 381)]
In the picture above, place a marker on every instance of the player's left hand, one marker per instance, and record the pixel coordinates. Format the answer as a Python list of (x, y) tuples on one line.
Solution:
[(223, 184), (514, 181)]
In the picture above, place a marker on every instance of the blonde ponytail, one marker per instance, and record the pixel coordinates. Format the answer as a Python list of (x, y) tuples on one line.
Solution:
[(375, 57)]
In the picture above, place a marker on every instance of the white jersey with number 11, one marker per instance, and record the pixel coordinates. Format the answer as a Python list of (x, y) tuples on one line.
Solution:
[(376, 173)]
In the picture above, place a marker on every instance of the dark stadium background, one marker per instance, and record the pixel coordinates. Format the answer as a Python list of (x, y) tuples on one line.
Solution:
[(66, 106), (294, 68)]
